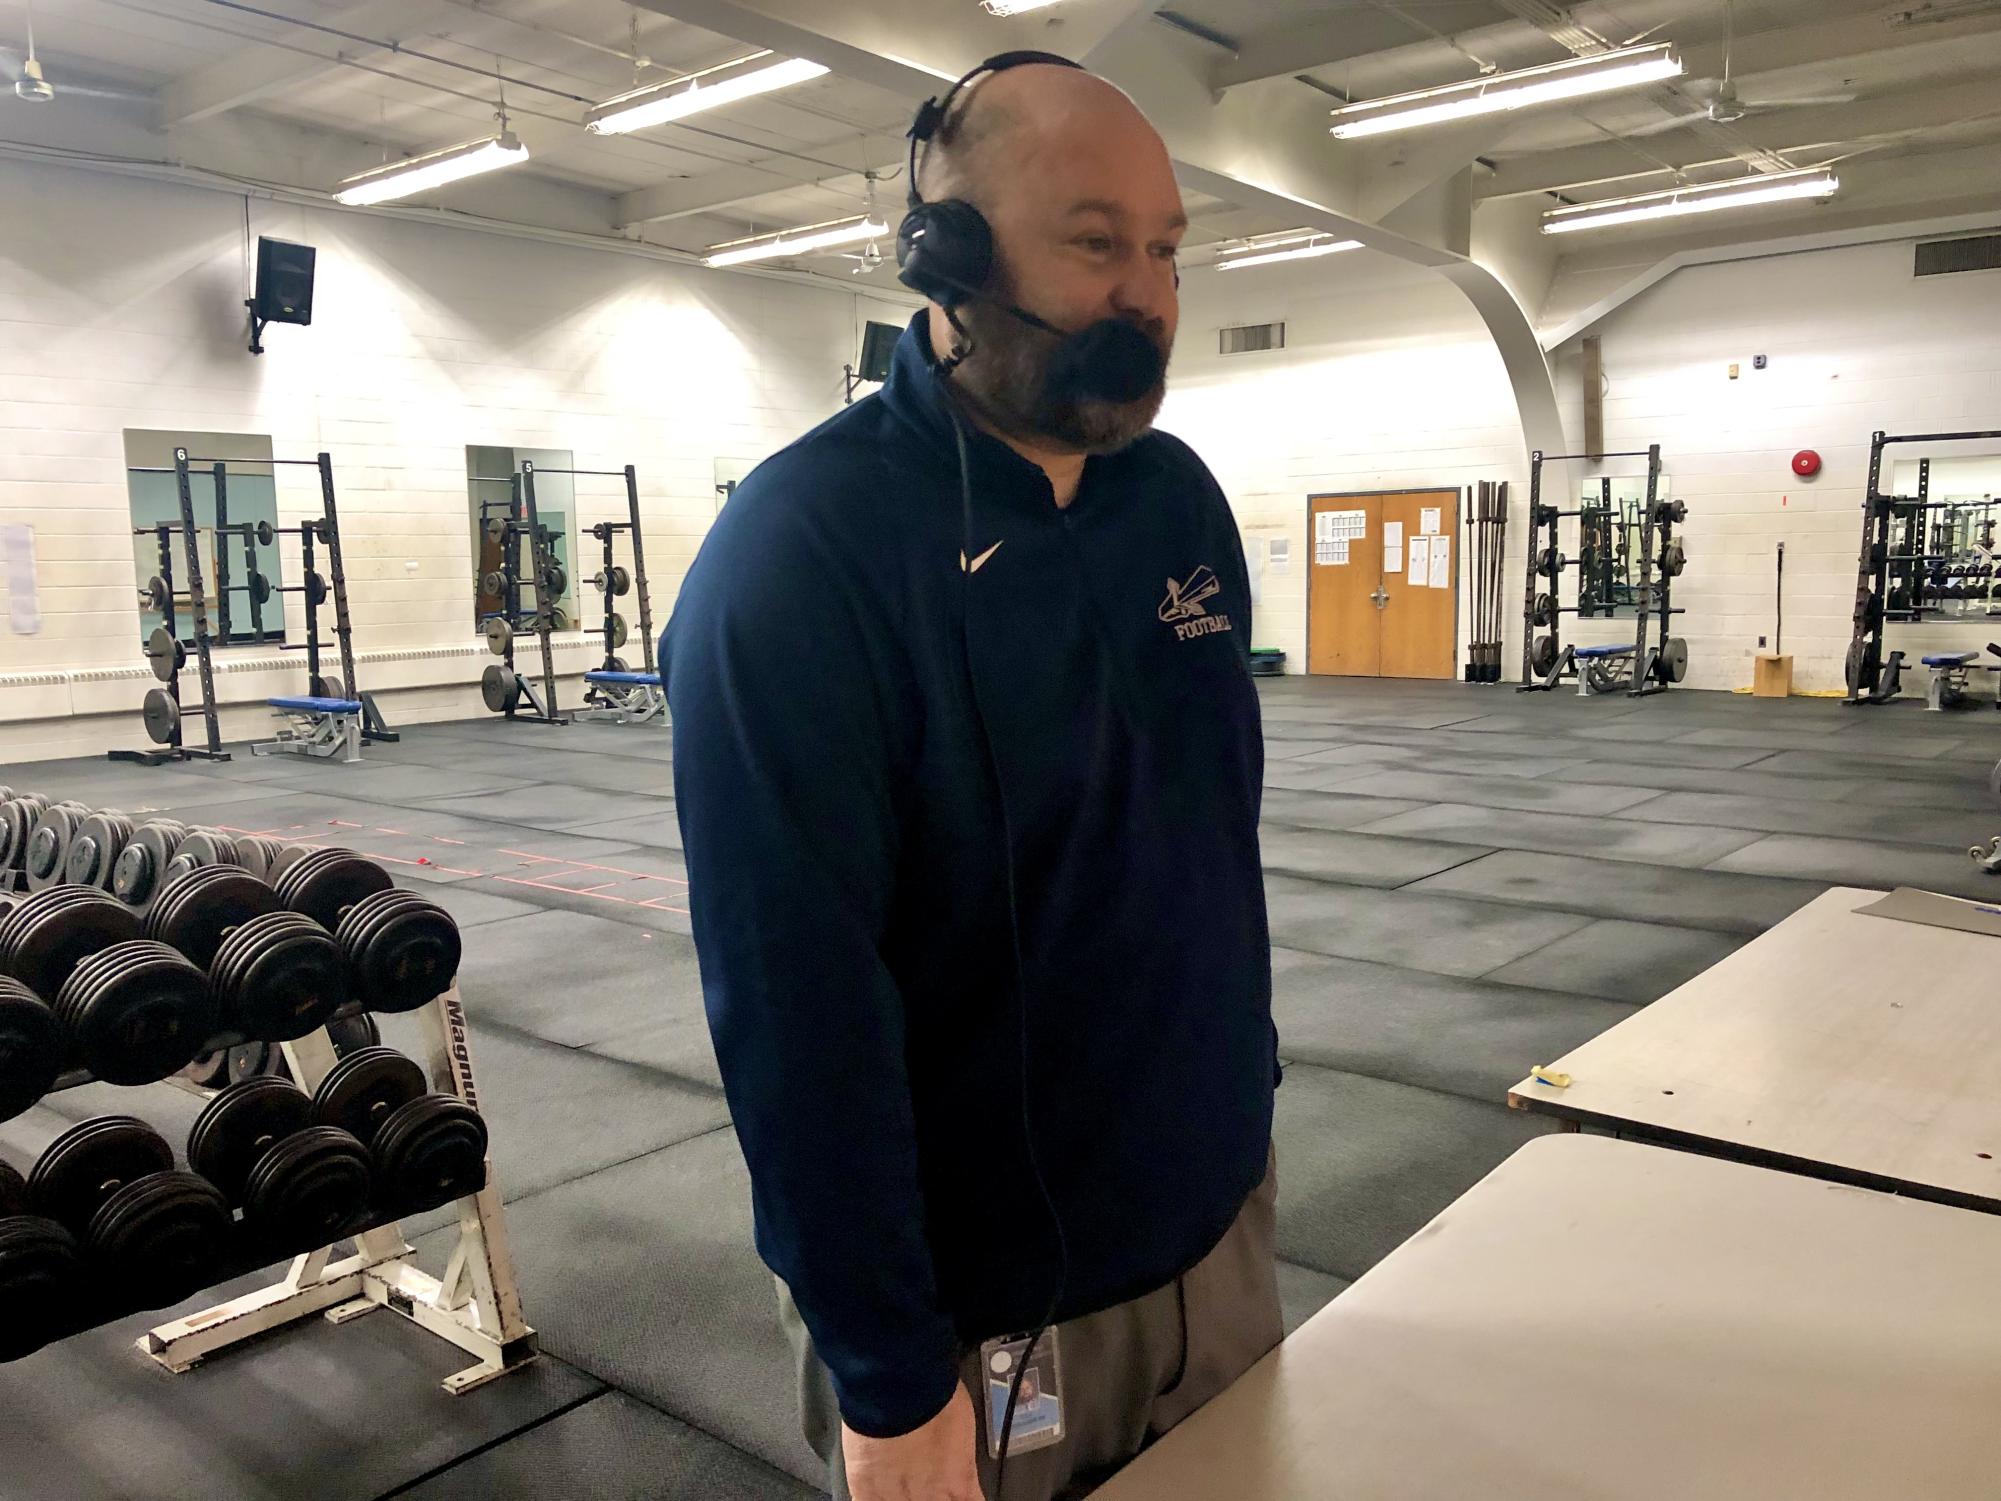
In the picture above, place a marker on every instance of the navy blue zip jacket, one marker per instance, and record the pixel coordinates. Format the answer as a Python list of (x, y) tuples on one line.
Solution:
[(871, 743)]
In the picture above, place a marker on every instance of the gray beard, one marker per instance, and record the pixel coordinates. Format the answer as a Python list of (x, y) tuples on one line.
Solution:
[(1006, 379)]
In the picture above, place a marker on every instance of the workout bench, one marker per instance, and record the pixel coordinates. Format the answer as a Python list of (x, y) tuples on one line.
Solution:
[(1947, 688), (317, 727), (623, 697), (1603, 669)]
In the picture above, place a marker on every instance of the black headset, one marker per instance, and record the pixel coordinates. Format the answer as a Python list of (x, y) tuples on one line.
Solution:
[(945, 250)]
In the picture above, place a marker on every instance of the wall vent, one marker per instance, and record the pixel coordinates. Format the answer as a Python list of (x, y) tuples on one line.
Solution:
[(1946, 257), (1249, 338)]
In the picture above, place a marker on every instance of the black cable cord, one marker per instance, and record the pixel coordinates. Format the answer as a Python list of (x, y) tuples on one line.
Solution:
[(1014, 933)]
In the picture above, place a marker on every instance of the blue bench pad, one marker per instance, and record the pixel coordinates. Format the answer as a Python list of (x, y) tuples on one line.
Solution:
[(317, 705), (1594, 653), (1951, 659), (637, 679)]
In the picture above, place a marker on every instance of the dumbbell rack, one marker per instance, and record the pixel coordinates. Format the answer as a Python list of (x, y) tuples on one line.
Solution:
[(1546, 661), (1865, 669), (475, 1304), (173, 747)]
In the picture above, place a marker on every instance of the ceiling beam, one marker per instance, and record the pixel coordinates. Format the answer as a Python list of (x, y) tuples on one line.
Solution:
[(1340, 36), (686, 196), (260, 70), (1777, 130)]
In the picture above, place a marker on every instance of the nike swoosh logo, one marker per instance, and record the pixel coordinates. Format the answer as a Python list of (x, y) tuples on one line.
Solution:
[(980, 562)]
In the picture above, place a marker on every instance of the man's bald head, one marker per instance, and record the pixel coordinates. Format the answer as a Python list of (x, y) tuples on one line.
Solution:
[(1086, 216), (1003, 124)]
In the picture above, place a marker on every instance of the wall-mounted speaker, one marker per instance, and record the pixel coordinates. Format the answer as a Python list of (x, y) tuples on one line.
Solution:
[(284, 287), (878, 348)]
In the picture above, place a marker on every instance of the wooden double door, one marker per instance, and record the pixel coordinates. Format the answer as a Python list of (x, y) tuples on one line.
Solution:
[(1383, 584)]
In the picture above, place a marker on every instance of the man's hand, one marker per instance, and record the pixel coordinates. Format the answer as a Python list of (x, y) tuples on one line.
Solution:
[(932, 1463)]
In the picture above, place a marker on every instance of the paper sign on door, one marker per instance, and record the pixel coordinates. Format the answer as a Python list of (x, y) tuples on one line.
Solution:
[(1441, 562), (1420, 562)]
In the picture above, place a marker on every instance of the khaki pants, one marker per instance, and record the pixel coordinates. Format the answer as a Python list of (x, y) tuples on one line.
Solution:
[(1129, 1373)]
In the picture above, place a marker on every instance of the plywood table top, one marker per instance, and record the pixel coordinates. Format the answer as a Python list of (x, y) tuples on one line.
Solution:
[(1842, 1045), (1600, 1320)]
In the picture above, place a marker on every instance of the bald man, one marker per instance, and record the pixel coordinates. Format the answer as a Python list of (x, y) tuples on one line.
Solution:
[(968, 763)]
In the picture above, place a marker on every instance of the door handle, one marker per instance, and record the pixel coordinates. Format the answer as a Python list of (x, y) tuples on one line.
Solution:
[(1381, 597)]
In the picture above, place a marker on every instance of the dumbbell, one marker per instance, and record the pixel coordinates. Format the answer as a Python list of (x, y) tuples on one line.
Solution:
[(274, 975), (48, 843), (135, 874), (163, 1233), (93, 853), (428, 1149), (41, 1272), (18, 812), (249, 1060), (300, 1185), (32, 1047), (131, 1009), (401, 950)]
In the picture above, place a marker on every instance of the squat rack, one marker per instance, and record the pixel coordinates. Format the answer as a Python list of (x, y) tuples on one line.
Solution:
[(1546, 661), (1870, 678)]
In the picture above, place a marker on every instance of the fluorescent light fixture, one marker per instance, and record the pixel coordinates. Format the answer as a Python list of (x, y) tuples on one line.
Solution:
[(1739, 192), (419, 174), (1577, 78), (1012, 7), (660, 102), (1294, 245), (796, 241)]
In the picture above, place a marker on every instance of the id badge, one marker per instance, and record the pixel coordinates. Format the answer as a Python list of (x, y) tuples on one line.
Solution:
[(1038, 1408)]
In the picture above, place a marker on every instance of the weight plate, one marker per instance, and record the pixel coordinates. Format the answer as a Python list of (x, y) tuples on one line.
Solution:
[(255, 852), (555, 579), (210, 1071), (1542, 656), (1674, 558), (498, 634), (41, 1284), (326, 686), (153, 596), (352, 1033), (326, 882), (48, 845), (615, 664), (316, 589), (93, 853), (240, 1125), (136, 1012), (163, 653), (89, 1162), (361, 1091), (1856, 668), (162, 716), (499, 688), (13, 1193), (250, 1059), (308, 1188), (493, 583), (199, 910), (559, 619), (135, 875), (279, 976), (621, 580), (429, 1152), (401, 950), (31, 1051), (163, 1237), (43, 938), (1674, 659), (287, 856), (258, 587), (266, 534), (619, 630), (16, 819), (496, 529), (1550, 561), (1545, 610)]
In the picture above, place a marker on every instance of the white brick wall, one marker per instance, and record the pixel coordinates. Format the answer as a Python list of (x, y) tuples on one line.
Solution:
[(1388, 380), (120, 307)]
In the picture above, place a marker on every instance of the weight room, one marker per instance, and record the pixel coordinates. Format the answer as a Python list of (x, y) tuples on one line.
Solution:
[(1608, 396)]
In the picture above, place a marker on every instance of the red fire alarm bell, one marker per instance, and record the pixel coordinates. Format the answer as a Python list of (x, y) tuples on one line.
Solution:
[(1806, 463)]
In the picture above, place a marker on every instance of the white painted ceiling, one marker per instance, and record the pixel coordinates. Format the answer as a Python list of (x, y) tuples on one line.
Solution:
[(1821, 80)]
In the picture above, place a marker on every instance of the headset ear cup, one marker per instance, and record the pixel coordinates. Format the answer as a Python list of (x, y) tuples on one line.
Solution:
[(945, 250)]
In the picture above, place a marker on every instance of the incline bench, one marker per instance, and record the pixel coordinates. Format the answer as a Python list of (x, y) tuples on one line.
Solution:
[(1603, 669), (1947, 688), (315, 727), (623, 697)]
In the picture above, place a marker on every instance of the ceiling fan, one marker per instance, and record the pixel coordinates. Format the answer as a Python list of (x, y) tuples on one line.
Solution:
[(1724, 104), (31, 85)]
